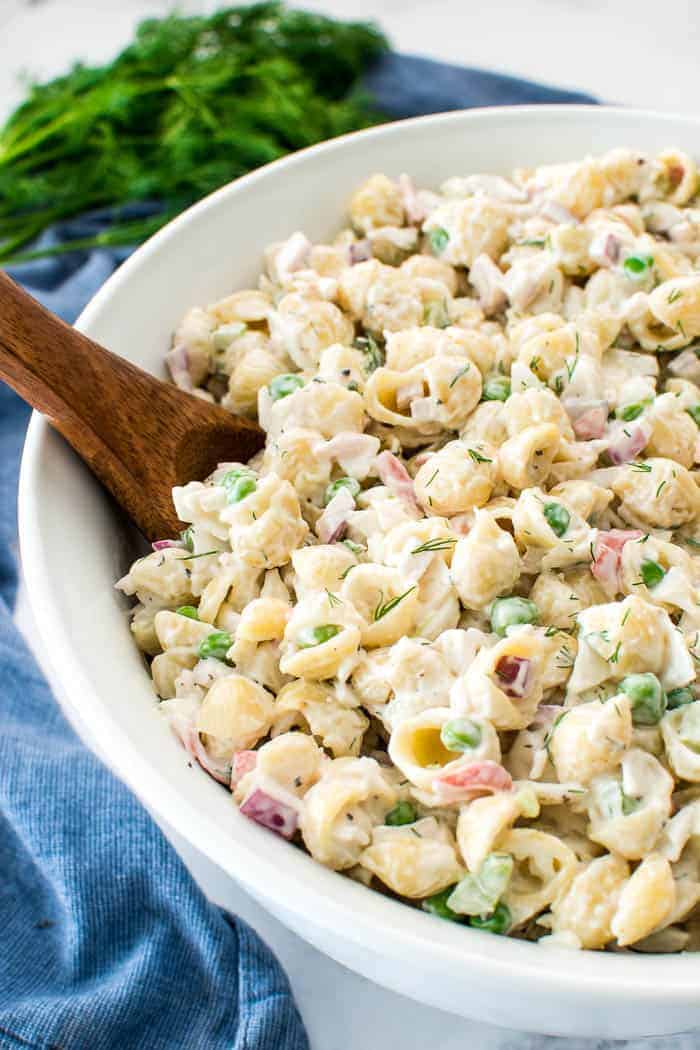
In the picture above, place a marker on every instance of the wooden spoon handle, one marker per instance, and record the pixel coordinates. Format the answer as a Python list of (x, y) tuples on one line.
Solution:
[(140, 436)]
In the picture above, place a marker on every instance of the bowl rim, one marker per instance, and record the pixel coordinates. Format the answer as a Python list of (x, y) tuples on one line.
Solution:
[(327, 900)]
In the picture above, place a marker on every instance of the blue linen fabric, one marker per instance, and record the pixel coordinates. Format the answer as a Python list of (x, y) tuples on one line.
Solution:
[(105, 939)]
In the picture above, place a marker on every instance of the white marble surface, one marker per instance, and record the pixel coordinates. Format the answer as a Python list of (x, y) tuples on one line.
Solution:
[(625, 51)]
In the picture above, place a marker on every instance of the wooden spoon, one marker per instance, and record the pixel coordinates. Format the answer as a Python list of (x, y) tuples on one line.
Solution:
[(138, 435)]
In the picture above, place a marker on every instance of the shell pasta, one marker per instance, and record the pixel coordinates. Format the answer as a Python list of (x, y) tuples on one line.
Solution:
[(443, 631)]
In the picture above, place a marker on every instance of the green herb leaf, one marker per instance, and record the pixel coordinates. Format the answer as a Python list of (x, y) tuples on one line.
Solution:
[(202, 554), (308, 637), (374, 355), (190, 104), (382, 609), (477, 457), (458, 375), (652, 573), (441, 543), (402, 813)]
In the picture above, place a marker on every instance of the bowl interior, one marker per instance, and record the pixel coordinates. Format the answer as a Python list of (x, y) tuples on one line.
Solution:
[(75, 545)]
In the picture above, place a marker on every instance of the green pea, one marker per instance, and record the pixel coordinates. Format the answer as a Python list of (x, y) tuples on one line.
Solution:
[(351, 484), (557, 517), (652, 573), (216, 644), (238, 485), (637, 265), (187, 537), (628, 413), (461, 734), (402, 813), (499, 921), (680, 697), (497, 388), (189, 611), (310, 636), (283, 385), (224, 335), (647, 698), (438, 240), (694, 413), (437, 905), (507, 612), (478, 894)]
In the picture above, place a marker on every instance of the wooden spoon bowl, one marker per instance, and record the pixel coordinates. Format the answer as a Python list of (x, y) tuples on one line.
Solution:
[(139, 435)]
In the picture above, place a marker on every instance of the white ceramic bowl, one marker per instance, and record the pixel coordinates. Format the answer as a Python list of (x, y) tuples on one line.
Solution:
[(74, 547)]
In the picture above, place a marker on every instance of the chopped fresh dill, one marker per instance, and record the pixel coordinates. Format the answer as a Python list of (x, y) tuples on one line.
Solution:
[(442, 543), (204, 554), (458, 375), (477, 456), (192, 103), (382, 609)]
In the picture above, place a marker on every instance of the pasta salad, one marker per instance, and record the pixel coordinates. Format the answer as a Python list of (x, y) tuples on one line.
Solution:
[(442, 631)]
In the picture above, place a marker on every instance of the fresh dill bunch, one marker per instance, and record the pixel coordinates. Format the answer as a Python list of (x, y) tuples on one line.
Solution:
[(192, 103)]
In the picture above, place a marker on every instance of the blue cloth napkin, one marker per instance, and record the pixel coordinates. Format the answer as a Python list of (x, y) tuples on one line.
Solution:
[(105, 940)]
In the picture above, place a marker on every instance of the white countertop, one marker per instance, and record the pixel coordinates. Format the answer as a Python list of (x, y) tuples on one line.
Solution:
[(635, 52)]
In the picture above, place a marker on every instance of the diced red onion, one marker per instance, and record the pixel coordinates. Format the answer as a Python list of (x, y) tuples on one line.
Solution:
[(626, 446), (414, 209), (394, 475), (354, 452), (472, 780), (178, 365), (220, 771), (588, 417), (612, 248), (186, 732), (161, 545), (360, 251), (514, 675), (607, 554), (605, 248), (271, 813), (333, 522), (243, 762), (487, 281), (293, 255)]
